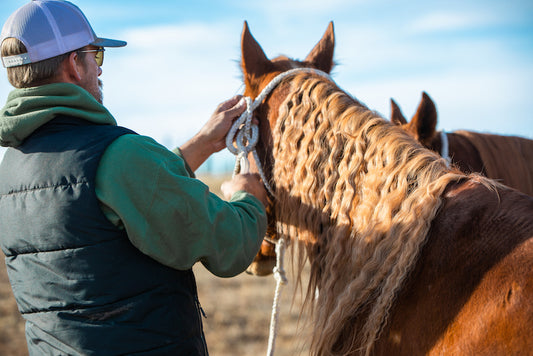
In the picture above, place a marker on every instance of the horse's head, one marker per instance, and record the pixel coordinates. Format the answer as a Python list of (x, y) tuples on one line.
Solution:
[(258, 71), (422, 125), (456, 148)]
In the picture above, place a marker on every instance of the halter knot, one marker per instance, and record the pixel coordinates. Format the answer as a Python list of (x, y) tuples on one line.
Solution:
[(245, 135)]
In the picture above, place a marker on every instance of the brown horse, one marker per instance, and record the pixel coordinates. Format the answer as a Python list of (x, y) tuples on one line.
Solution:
[(409, 256), (508, 159)]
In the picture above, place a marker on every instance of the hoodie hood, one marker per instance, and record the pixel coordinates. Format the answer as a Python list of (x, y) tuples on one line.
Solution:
[(29, 108)]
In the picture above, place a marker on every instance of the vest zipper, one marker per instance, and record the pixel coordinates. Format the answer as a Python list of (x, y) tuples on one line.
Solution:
[(200, 306), (200, 311)]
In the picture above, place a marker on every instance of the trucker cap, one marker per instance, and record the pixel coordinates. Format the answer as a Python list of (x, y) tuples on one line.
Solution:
[(49, 28)]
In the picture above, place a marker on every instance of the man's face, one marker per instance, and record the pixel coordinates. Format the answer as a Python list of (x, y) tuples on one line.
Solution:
[(92, 71)]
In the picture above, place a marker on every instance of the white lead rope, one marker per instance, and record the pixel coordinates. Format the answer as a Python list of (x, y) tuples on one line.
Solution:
[(245, 135), (281, 279)]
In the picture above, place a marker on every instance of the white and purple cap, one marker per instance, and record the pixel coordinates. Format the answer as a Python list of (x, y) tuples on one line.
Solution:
[(49, 28)]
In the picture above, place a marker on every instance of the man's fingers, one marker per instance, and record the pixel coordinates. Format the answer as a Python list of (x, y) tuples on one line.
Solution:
[(229, 103), (237, 109), (249, 182)]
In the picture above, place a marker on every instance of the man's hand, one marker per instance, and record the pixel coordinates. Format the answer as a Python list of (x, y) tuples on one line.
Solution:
[(248, 182), (212, 136), (218, 126)]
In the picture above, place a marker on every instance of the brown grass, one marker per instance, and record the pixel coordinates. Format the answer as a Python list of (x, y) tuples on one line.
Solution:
[(12, 341), (238, 312)]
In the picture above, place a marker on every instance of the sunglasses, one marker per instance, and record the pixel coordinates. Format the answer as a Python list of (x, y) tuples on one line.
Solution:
[(99, 57)]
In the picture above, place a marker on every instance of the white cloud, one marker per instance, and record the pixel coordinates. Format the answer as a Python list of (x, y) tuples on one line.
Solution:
[(304, 7), (198, 35), (170, 79), (447, 21), (481, 101)]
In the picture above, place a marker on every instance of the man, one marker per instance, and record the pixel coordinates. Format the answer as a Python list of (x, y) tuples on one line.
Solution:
[(100, 226)]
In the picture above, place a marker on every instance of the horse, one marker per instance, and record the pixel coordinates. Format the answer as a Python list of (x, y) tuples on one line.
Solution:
[(509, 159), (406, 255)]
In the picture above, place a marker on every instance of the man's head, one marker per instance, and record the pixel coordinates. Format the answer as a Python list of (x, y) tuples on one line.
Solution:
[(42, 40)]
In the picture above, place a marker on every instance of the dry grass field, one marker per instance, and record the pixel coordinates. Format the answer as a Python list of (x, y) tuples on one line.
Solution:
[(238, 313), (12, 342)]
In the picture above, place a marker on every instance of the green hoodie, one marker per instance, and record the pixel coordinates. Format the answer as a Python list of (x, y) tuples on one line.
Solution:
[(147, 189)]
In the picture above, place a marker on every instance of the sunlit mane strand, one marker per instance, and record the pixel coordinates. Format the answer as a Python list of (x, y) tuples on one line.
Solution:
[(358, 194)]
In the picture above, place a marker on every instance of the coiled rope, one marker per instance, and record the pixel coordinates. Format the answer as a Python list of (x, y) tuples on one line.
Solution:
[(245, 136)]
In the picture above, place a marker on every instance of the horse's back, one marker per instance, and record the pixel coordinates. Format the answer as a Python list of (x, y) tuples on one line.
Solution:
[(471, 291)]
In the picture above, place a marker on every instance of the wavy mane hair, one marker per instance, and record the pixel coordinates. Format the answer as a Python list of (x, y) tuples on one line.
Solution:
[(358, 194)]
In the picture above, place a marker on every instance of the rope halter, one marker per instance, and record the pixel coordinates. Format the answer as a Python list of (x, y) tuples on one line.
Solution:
[(444, 150), (245, 134)]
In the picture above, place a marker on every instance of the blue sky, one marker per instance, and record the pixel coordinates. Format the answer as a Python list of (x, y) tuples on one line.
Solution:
[(474, 58)]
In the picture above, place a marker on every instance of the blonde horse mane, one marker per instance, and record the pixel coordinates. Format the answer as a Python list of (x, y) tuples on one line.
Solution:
[(359, 195)]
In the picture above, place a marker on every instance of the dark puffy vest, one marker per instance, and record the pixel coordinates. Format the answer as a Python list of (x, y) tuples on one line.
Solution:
[(82, 287)]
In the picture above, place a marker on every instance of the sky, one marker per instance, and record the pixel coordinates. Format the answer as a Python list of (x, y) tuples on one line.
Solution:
[(473, 57)]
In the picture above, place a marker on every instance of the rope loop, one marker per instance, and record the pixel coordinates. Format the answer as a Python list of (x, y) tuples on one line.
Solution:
[(243, 132)]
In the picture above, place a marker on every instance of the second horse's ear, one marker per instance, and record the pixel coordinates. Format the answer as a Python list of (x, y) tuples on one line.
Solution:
[(396, 116), (425, 119), (321, 56), (254, 62)]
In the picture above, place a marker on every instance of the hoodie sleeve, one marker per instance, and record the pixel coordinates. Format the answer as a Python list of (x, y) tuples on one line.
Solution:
[(173, 217)]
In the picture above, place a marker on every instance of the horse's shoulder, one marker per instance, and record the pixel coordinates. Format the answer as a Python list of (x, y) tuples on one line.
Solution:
[(477, 264), (483, 211), (482, 232)]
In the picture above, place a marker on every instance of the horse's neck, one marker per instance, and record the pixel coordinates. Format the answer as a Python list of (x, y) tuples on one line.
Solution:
[(508, 159), (464, 154)]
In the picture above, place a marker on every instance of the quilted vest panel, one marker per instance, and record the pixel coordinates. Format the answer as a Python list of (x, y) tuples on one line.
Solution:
[(82, 287)]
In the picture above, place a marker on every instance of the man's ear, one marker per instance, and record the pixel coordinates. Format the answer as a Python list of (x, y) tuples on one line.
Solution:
[(71, 68)]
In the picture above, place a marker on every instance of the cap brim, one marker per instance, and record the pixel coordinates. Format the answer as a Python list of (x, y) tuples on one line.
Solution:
[(106, 42)]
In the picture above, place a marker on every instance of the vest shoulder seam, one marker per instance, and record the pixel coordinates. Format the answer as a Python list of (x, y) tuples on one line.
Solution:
[(44, 188), (62, 248)]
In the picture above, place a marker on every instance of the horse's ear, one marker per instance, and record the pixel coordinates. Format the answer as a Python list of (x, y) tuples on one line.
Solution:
[(396, 116), (425, 119), (254, 61), (321, 56)]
